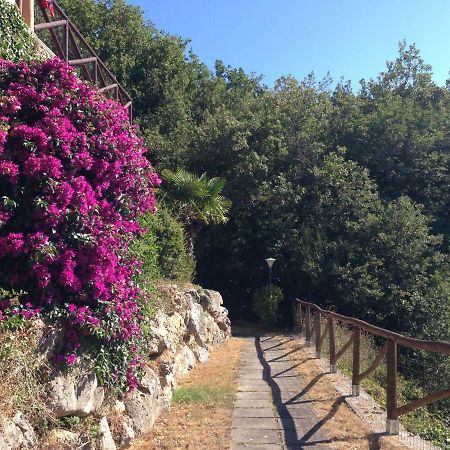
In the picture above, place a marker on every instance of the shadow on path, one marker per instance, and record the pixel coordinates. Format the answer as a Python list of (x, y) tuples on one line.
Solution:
[(283, 372), (288, 421), (281, 357), (306, 389), (268, 349), (291, 437)]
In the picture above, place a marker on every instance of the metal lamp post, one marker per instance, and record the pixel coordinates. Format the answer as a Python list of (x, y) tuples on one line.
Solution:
[(270, 262)]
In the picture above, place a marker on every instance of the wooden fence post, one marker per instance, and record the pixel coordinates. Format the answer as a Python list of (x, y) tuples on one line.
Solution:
[(300, 319), (308, 326), (318, 335), (388, 353), (392, 423), (356, 361), (332, 344), (66, 41)]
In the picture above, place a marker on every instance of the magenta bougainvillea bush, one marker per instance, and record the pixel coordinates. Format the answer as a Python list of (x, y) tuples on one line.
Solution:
[(73, 180)]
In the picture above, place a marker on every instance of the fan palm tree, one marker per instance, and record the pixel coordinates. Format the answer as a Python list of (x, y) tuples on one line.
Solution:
[(196, 200)]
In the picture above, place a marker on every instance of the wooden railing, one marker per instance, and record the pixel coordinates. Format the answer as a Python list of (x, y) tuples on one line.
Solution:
[(66, 42), (309, 320)]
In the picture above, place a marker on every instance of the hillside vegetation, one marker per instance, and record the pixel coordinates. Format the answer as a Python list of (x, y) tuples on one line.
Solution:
[(346, 187)]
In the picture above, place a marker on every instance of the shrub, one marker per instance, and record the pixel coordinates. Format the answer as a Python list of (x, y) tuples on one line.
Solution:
[(16, 42), (145, 248), (73, 180), (162, 248), (265, 304)]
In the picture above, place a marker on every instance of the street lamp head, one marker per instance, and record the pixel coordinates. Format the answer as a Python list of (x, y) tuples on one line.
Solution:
[(270, 262)]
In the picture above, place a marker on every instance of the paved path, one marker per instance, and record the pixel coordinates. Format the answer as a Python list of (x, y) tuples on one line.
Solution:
[(272, 411)]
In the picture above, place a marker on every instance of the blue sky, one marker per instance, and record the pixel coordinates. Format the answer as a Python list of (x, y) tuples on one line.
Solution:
[(279, 37)]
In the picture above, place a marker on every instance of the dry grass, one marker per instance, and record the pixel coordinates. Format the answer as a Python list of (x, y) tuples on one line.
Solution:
[(22, 374), (343, 426), (200, 417)]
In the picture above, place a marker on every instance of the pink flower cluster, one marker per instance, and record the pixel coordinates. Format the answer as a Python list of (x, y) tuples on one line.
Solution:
[(73, 179), (12, 307)]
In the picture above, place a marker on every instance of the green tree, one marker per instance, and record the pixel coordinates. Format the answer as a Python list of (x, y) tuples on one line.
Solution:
[(398, 127), (196, 200)]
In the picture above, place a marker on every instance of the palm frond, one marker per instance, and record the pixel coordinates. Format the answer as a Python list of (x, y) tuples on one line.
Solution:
[(197, 198)]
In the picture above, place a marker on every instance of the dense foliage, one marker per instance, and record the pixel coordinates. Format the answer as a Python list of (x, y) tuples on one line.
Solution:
[(73, 180), (317, 175), (347, 189), (16, 42), (162, 248)]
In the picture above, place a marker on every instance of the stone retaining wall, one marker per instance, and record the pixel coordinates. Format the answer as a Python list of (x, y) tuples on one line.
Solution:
[(182, 335)]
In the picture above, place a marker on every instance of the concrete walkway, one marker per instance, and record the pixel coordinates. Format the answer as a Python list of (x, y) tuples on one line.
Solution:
[(272, 411)]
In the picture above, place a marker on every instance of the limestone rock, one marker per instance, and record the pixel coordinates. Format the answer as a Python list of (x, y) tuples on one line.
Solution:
[(174, 366), (128, 434), (207, 329), (201, 353), (195, 319), (51, 342), (106, 441), (72, 395), (180, 302), (143, 404), (166, 374), (47, 338), (119, 407), (223, 321), (16, 433), (211, 334), (192, 294), (211, 302), (11, 436), (184, 361), (166, 332), (29, 438), (166, 397)]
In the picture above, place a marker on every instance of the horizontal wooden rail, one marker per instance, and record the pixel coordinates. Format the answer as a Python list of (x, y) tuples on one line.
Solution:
[(431, 346), (47, 25), (430, 398), (77, 62), (388, 353), (109, 87)]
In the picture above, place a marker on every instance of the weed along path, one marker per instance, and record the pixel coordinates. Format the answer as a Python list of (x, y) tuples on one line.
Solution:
[(265, 417)]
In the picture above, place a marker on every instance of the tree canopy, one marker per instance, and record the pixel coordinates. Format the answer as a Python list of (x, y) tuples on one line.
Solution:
[(348, 188)]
